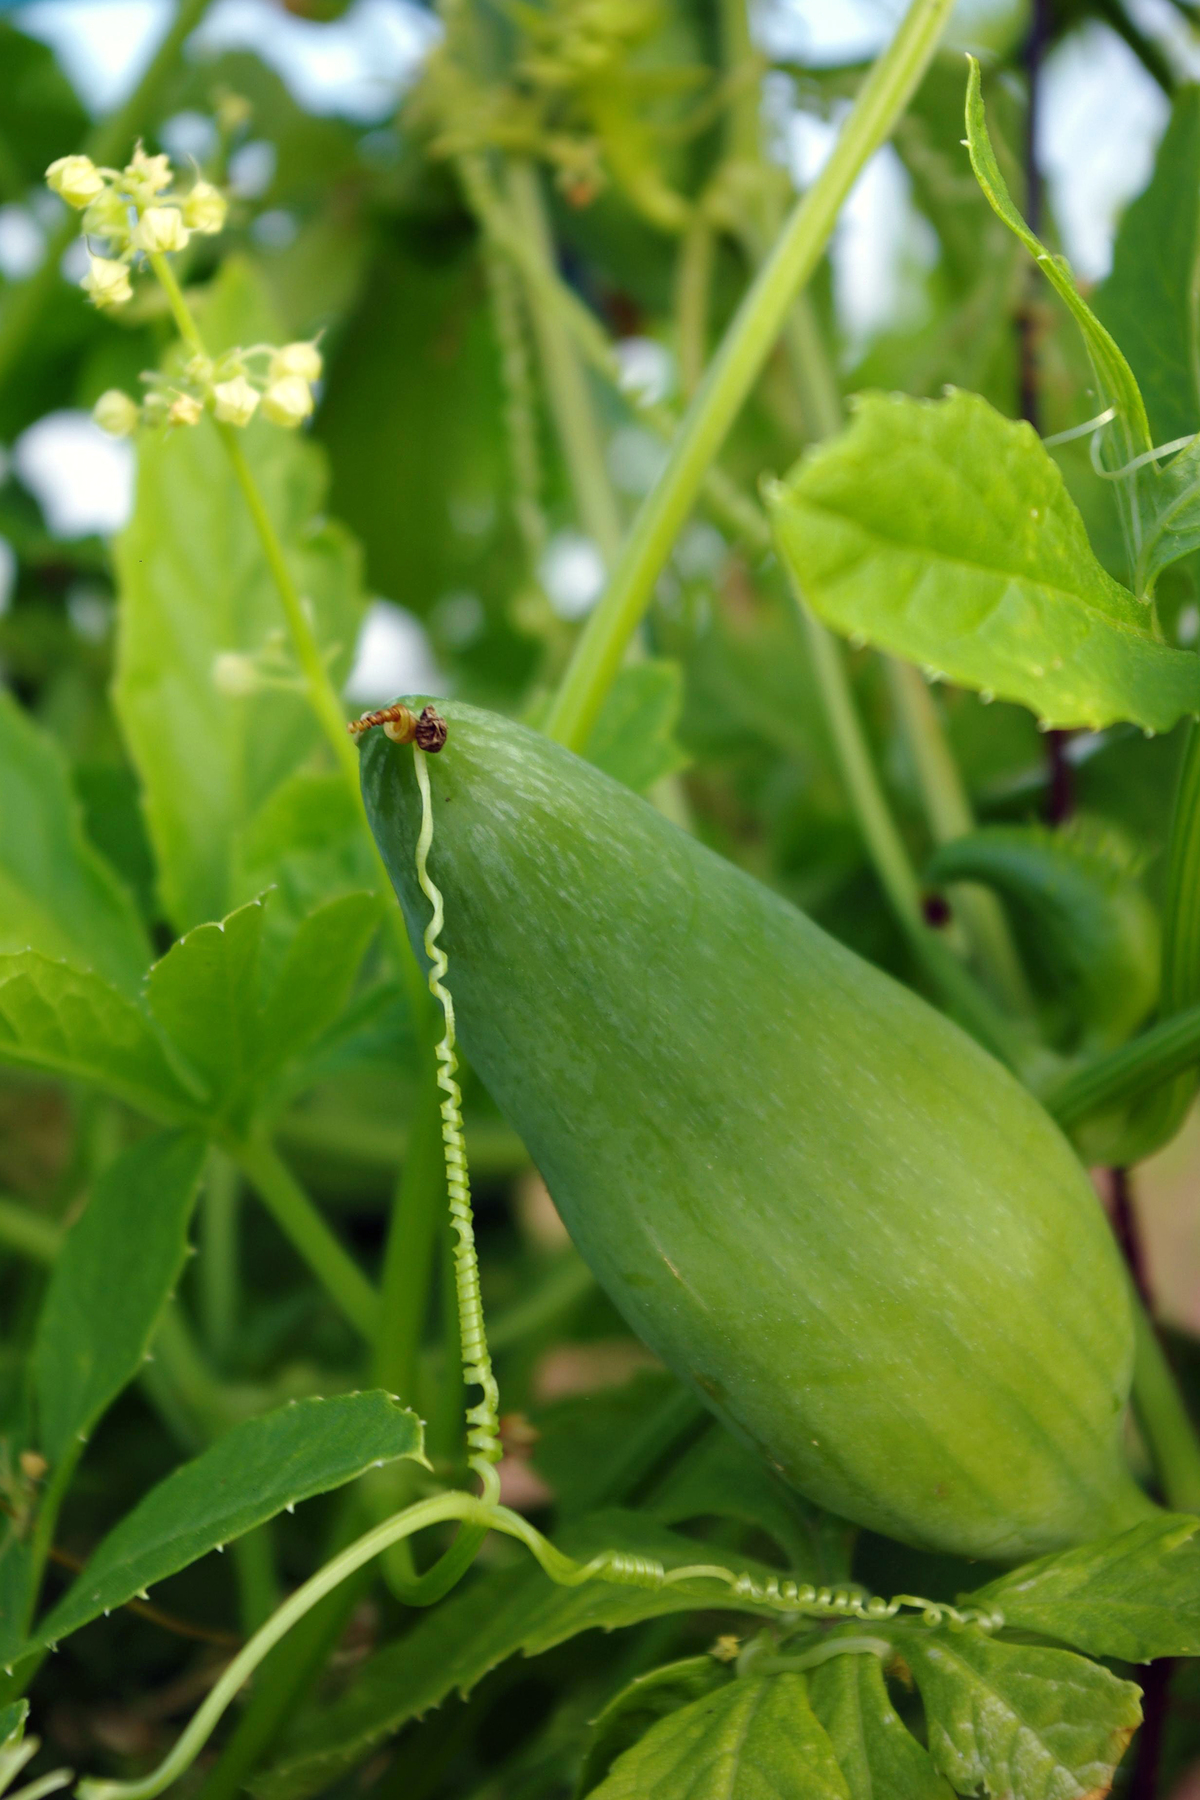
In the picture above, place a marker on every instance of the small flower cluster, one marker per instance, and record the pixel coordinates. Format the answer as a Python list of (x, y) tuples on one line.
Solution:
[(135, 213), (233, 387)]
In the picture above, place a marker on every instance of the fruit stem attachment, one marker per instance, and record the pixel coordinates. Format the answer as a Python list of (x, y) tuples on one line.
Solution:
[(483, 1419)]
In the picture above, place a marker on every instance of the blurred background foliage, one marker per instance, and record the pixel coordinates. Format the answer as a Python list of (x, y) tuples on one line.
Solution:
[(435, 565)]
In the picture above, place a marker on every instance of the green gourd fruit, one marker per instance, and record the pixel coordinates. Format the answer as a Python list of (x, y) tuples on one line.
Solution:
[(864, 1244)]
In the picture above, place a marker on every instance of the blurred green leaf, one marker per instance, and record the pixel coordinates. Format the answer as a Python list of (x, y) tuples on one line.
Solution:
[(876, 1752), (309, 841), (1148, 302), (1094, 928), (942, 532), (1017, 1719), (117, 1268), (68, 1022), (57, 894), (482, 1625), (412, 421), (634, 738), (240, 1016), (1133, 1597), (40, 113), (252, 1473), (750, 1740), (195, 587)]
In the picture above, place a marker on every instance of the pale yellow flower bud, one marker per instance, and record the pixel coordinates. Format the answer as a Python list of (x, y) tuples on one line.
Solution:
[(147, 176), (160, 228), (76, 178), (204, 209), (185, 410), (116, 413), (234, 675), (108, 217), (107, 283), (235, 401), (288, 401), (303, 360)]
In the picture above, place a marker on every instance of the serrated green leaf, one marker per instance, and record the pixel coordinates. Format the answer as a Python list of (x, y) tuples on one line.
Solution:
[(1115, 376), (57, 894), (1133, 1597), (646, 1699), (237, 1020), (1148, 301), (68, 1022), (1018, 1720), (194, 585), (498, 1615), (943, 532), (756, 1739), (248, 1476), (309, 840), (634, 739), (877, 1754), (1171, 526), (117, 1268), (1096, 929)]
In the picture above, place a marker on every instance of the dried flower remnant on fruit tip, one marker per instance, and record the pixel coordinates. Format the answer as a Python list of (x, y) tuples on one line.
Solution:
[(428, 732)]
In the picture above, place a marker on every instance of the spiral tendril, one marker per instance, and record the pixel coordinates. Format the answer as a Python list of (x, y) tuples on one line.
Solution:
[(483, 1421)]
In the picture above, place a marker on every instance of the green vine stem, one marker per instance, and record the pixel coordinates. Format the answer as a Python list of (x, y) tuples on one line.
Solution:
[(733, 372), (781, 1596), (565, 381), (693, 283), (304, 1227), (26, 304), (1136, 1069), (1166, 1424)]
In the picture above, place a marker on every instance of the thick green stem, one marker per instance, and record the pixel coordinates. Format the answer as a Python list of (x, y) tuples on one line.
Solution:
[(218, 1268), (733, 372), (307, 1231), (28, 1233), (565, 381), (1166, 1425), (693, 281), (110, 142), (417, 1212)]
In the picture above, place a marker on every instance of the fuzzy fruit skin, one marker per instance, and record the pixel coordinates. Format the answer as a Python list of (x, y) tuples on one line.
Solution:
[(862, 1241)]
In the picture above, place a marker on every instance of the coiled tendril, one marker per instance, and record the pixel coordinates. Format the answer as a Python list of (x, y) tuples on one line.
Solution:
[(483, 1423)]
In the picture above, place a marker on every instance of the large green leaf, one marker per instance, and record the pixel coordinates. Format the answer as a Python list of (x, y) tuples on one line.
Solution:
[(240, 1016), (1134, 1597), (117, 1268), (876, 1752), (57, 894), (755, 1739), (943, 532), (309, 841), (68, 1022), (647, 1699), (496, 1616), (1148, 302), (1014, 1719), (253, 1472), (194, 586)]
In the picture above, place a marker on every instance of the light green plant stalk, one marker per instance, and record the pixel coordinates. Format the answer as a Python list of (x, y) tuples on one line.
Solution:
[(564, 378), (733, 372)]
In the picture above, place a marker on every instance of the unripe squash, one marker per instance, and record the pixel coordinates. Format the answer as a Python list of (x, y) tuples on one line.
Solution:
[(865, 1245)]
